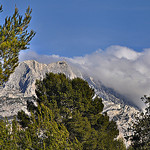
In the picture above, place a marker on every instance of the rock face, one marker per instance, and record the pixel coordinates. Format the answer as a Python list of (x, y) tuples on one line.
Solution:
[(22, 81), (21, 87)]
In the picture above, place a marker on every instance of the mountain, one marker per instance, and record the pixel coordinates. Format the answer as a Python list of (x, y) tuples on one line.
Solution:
[(21, 87)]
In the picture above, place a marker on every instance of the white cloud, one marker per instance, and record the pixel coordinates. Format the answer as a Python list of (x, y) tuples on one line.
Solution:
[(120, 68), (31, 55), (122, 52)]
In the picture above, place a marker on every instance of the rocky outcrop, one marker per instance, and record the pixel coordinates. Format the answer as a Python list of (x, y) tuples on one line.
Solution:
[(23, 79)]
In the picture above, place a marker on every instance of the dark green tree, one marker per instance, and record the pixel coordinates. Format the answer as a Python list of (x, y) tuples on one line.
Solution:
[(140, 129), (14, 37), (24, 119), (73, 105)]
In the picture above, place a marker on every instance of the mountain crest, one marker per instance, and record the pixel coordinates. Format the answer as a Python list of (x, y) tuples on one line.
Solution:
[(24, 78)]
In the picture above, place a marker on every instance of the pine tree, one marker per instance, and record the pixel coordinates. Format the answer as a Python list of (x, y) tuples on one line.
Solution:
[(72, 104), (14, 37), (140, 129)]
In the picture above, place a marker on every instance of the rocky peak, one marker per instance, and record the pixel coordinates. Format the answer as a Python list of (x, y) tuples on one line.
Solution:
[(25, 75)]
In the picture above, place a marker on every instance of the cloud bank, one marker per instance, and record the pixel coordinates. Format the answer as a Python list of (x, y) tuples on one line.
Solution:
[(117, 67)]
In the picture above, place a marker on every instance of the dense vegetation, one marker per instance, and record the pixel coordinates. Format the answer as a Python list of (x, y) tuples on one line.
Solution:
[(14, 37), (66, 117)]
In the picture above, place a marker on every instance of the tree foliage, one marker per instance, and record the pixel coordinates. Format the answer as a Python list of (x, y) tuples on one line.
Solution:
[(43, 133), (140, 129), (67, 116), (14, 37), (73, 105)]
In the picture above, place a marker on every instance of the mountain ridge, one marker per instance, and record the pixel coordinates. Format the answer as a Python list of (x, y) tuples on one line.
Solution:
[(21, 86)]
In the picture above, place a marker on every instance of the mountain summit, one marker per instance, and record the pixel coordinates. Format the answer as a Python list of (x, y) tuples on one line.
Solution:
[(23, 79)]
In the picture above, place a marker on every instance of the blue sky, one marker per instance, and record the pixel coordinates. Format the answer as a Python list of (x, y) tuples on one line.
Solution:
[(78, 27)]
